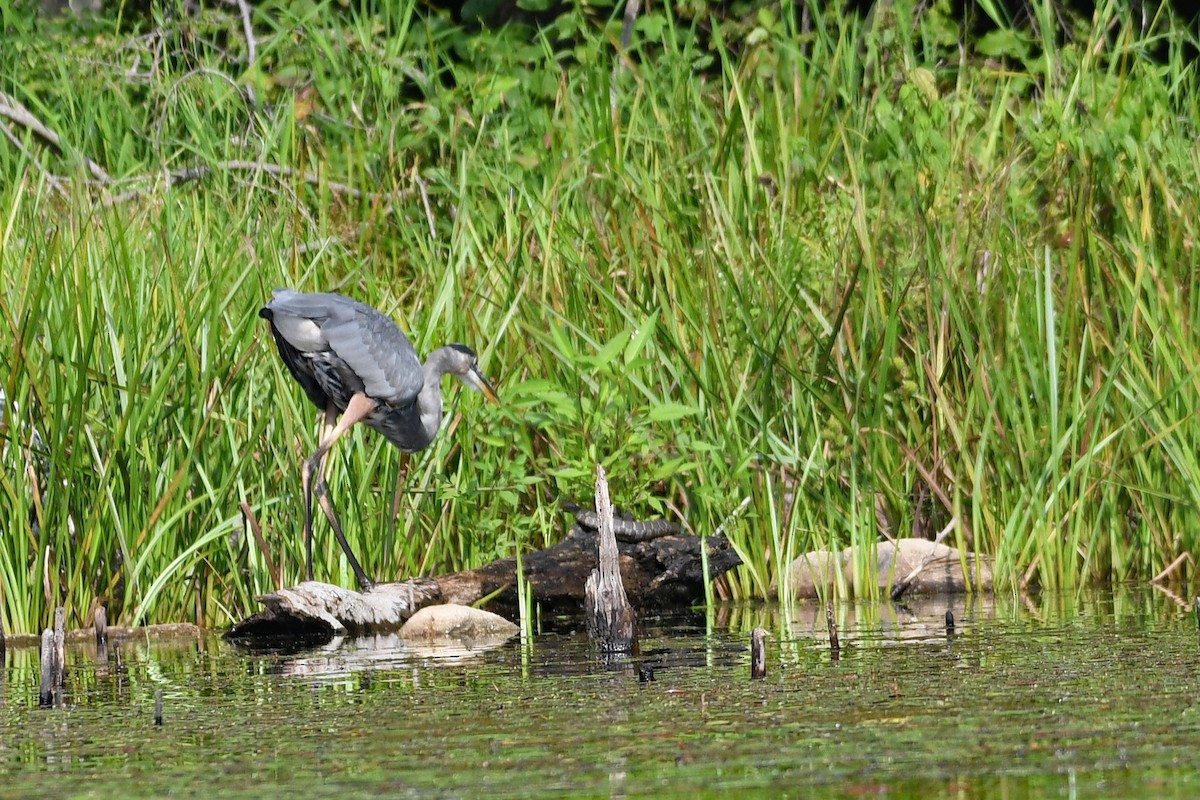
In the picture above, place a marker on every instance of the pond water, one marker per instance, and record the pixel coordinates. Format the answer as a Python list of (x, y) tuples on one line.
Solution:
[(1028, 697)]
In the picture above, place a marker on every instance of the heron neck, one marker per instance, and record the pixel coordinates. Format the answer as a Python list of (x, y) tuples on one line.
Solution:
[(429, 401)]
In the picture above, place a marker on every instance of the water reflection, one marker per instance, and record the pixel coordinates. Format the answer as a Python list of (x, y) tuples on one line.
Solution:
[(345, 654), (1026, 689)]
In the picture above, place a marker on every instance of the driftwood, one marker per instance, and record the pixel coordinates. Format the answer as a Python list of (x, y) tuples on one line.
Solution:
[(52, 672), (663, 572), (611, 621), (320, 610)]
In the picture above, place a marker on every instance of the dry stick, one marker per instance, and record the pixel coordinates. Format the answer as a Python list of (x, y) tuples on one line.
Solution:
[(178, 176), (631, 13), (56, 183), (13, 110), (902, 585), (731, 516), (252, 52), (758, 653), (272, 570), (1181, 559), (247, 29), (48, 593), (835, 649), (425, 202), (156, 125)]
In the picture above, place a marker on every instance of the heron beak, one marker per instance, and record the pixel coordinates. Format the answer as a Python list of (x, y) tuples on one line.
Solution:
[(482, 384)]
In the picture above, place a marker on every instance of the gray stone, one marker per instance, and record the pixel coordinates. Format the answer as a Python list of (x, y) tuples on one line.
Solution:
[(940, 569), (456, 623)]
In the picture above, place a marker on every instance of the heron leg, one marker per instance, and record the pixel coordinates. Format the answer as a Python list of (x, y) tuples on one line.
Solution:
[(322, 490), (306, 478), (313, 477)]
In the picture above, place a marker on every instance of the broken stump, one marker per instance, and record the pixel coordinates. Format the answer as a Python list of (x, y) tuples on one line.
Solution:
[(611, 621)]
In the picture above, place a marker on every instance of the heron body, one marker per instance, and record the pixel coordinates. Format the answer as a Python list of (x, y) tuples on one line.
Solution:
[(356, 365)]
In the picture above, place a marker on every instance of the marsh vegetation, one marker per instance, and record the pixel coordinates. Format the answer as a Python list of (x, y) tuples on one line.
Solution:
[(874, 278)]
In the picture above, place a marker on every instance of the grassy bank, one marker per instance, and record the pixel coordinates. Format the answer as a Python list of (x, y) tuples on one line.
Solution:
[(869, 281)]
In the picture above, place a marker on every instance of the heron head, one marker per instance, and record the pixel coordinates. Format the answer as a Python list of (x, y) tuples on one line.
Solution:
[(464, 364)]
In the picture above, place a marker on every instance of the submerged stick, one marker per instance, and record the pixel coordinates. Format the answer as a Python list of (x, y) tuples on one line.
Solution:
[(758, 653), (611, 621), (158, 708), (835, 649), (101, 621)]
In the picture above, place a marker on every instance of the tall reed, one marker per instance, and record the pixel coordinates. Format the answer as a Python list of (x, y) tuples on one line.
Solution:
[(870, 280)]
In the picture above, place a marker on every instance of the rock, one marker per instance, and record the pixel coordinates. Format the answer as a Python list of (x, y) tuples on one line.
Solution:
[(940, 569), (810, 571), (457, 624)]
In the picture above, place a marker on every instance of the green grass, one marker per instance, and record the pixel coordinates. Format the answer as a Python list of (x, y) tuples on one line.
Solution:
[(864, 278)]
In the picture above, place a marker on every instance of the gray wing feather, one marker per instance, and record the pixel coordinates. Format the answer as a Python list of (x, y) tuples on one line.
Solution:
[(370, 343)]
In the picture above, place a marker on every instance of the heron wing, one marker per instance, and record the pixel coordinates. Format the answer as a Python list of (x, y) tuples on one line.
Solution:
[(369, 343)]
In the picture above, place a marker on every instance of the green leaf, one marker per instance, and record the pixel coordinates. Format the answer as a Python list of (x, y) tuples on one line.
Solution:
[(999, 43), (640, 335), (562, 343), (668, 412), (610, 350)]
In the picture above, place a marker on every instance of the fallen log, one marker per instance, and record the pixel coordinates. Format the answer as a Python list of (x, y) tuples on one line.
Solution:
[(662, 572), (320, 610)]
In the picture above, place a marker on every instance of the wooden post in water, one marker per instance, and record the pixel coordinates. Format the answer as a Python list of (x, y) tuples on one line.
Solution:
[(949, 622), (60, 651), (611, 621), (835, 649), (1198, 611), (51, 671), (101, 620), (158, 708), (758, 653)]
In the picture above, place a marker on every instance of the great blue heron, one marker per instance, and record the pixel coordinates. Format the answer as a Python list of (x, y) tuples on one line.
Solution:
[(354, 361)]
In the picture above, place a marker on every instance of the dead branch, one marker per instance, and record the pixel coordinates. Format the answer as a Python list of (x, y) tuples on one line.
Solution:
[(13, 110), (176, 177)]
